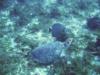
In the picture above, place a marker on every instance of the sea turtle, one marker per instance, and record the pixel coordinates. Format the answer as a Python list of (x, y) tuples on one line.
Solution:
[(49, 53)]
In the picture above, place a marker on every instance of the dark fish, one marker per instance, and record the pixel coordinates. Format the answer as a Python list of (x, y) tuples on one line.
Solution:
[(59, 32), (21, 1), (93, 23), (97, 42), (54, 13), (4, 4)]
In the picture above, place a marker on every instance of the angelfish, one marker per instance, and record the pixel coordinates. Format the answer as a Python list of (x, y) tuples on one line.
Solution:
[(59, 32)]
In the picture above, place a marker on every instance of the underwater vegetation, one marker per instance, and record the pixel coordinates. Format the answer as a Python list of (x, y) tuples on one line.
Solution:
[(95, 49), (49, 37)]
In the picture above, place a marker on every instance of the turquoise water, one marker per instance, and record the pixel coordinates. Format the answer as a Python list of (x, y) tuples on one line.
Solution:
[(27, 37)]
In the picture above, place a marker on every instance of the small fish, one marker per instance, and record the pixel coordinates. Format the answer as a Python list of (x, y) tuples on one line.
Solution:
[(59, 32), (49, 53), (21, 1)]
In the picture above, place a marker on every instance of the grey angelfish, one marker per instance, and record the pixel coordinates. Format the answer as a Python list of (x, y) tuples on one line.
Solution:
[(49, 53)]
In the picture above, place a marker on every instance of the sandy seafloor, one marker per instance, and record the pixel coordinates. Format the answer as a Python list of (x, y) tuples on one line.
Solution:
[(24, 25)]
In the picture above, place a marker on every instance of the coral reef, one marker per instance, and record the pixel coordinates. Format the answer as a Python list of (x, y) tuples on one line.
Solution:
[(24, 27)]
